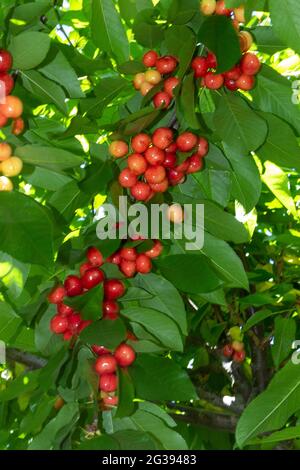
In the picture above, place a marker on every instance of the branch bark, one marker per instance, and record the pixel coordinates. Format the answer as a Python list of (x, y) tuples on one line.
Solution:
[(216, 421), (30, 360)]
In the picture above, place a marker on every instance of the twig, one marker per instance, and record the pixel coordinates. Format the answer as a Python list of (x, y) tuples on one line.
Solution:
[(222, 422), (216, 400), (30, 360)]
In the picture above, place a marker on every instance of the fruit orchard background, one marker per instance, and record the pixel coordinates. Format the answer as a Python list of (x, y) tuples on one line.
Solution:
[(74, 62)]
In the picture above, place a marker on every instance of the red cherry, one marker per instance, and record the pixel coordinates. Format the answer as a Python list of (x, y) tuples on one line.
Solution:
[(250, 64), (227, 350), (211, 61), (6, 60), (92, 278), (162, 99), (111, 309), (156, 250), (202, 147), (169, 85), (150, 58), (140, 143), (137, 164), (73, 286), (195, 164), (213, 81), (18, 126), (124, 355), (99, 350), (128, 268), (74, 323), (12, 107), (111, 401), (127, 178), (221, 8), (155, 174), (154, 155), (246, 82), (118, 149), (143, 264), (172, 148), (186, 141), (8, 83), (175, 177), (230, 84), (166, 64), (200, 66), (59, 324), (116, 258), (162, 138), (140, 191), (113, 289), (234, 73), (3, 120), (84, 324), (64, 310), (130, 336), (170, 160), (105, 364), (84, 268), (68, 335), (128, 253), (161, 187), (94, 256), (183, 166), (56, 296), (108, 382), (239, 356)]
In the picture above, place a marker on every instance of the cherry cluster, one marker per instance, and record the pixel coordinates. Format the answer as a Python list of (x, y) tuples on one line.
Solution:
[(159, 68), (11, 107), (153, 164), (9, 166), (235, 350), (218, 7), (106, 367), (131, 262)]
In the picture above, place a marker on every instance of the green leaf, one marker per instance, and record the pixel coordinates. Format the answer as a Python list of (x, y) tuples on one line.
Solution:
[(108, 333), (46, 179), (46, 90), (171, 383), (97, 178), (219, 36), (181, 42), (278, 183), (88, 304), (26, 229), (165, 298), (29, 49), (27, 15), (46, 341), (126, 394), (292, 432), (258, 317), (48, 157), (13, 332), (272, 408), (158, 324), (13, 275), (222, 224), (266, 40), (24, 383), (147, 32), (104, 442), (240, 127), (35, 418), (284, 335), (107, 30), (187, 101), (67, 199), (287, 26)]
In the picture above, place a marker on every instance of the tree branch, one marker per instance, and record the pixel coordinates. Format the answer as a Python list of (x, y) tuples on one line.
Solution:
[(216, 400), (33, 362), (216, 421)]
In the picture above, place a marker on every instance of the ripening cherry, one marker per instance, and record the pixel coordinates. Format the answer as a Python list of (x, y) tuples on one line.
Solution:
[(137, 164), (175, 177), (84, 267), (250, 64), (138, 80), (125, 355), (57, 295), (162, 99), (116, 258), (64, 310), (154, 155), (12, 107), (5, 151), (108, 382), (111, 309), (234, 73), (211, 60), (59, 324), (84, 324), (239, 14), (153, 77), (129, 253), (162, 137), (239, 356), (118, 149), (74, 322), (92, 277), (227, 350), (155, 174), (113, 289), (172, 148), (140, 191), (143, 264), (183, 166), (6, 184), (12, 166), (94, 256), (68, 335), (99, 350), (237, 346), (140, 142), (156, 250), (8, 83), (3, 120), (175, 213), (246, 82), (195, 164), (170, 84), (208, 7), (127, 178), (111, 401), (128, 268), (73, 286), (213, 81), (186, 141), (6, 60), (202, 147), (145, 88), (18, 126), (105, 364), (230, 84), (161, 187), (221, 8), (246, 40), (170, 160), (200, 66), (166, 64), (150, 58)]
